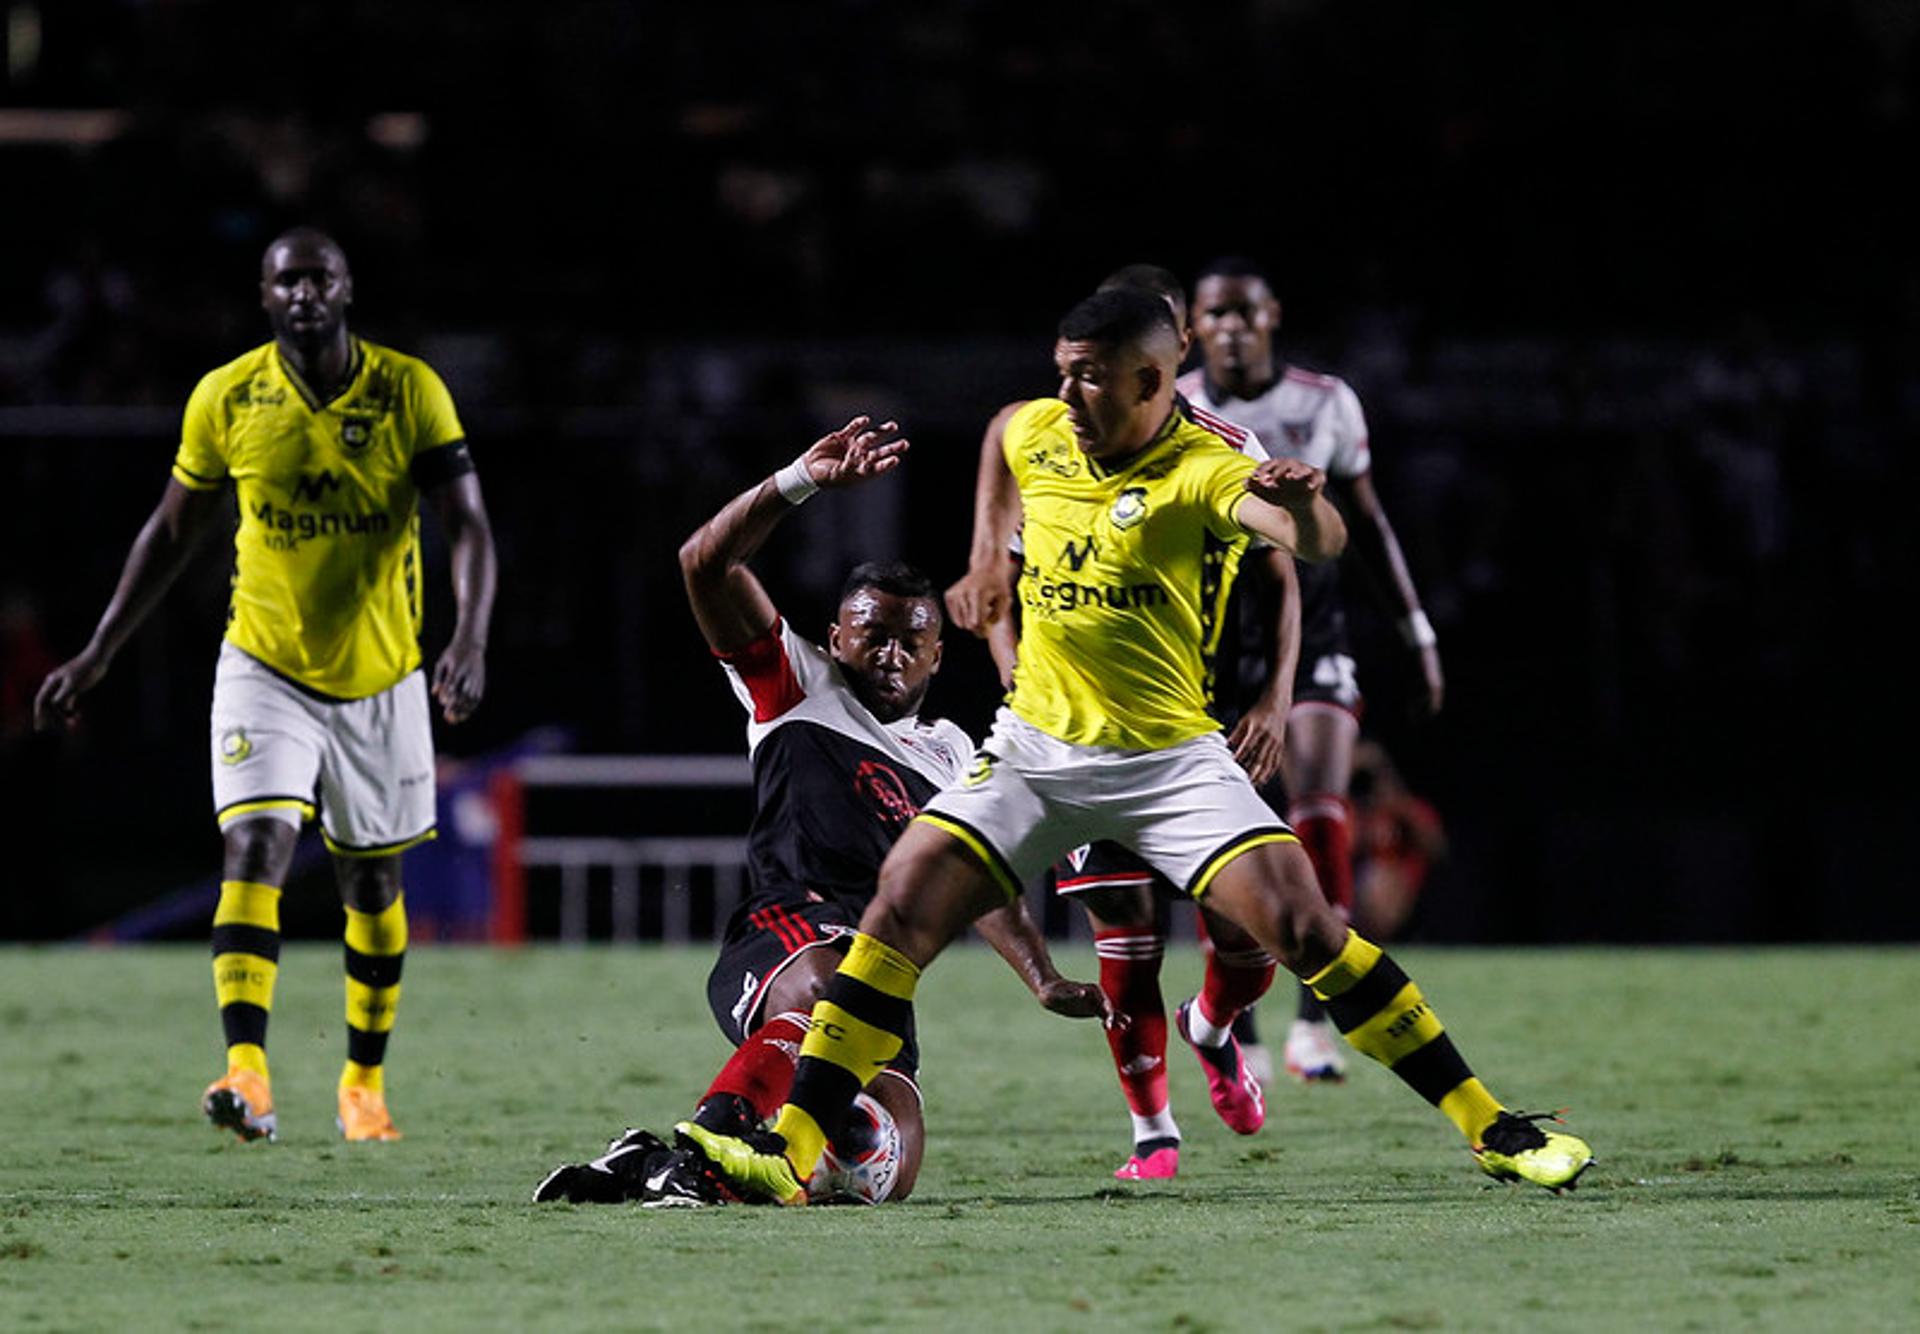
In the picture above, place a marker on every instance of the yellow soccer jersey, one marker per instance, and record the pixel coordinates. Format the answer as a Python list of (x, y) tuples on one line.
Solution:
[(326, 581), (1124, 579)]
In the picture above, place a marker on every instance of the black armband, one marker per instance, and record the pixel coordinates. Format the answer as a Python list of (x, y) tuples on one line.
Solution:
[(441, 465)]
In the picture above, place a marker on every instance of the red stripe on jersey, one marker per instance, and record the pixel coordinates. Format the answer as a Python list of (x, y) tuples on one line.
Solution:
[(1314, 378), (1220, 426), (767, 674), (802, 929)]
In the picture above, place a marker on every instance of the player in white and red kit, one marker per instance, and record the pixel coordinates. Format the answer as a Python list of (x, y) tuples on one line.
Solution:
[(1317, 419)]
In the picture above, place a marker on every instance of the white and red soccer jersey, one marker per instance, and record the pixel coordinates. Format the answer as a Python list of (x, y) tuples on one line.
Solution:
[(833, 785), (1303, 415)]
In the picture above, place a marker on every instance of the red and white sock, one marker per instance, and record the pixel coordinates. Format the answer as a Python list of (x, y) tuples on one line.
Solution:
[(761, 1068), (1130, 975), (1238, 974)]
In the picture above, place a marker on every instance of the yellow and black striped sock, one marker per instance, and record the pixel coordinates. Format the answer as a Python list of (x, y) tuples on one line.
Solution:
[(376, 949), (859, 1024), (1383, 1014), (246, 962)]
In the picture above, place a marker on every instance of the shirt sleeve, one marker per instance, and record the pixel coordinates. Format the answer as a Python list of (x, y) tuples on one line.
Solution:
[(764, 675), (435, 423), (1220, 481), (1351, 456), (201, 463)]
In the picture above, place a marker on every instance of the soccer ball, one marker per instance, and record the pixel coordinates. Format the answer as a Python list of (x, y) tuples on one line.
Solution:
[(862, 1162)]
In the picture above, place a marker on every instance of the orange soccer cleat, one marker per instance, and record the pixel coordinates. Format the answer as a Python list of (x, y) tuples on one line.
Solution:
[(363, 1117), (242, 1101)]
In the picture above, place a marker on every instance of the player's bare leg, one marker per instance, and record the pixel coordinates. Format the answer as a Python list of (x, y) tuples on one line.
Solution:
[(1270, 890), (258, 849), (1319, 773), (930, 888), (376, 946)]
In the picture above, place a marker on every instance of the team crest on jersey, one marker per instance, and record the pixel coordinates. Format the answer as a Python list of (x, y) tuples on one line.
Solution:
[(356, 433), (234, 745), (1130, 508), (1298, 434), (884, 791)]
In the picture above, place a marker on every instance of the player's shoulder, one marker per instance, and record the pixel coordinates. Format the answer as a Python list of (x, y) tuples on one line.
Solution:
[(1035, 415), (1320, 384), (241, 370), (390, 361), (1235, 436), (1191, 384), (946, 741)]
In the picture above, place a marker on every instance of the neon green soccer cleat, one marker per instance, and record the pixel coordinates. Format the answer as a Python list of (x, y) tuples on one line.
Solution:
[(1515, 1148), (757, 1167)]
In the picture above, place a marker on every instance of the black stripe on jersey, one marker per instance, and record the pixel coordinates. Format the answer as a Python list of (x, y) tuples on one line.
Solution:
[(198, 477), (1367, 997), (241, 1022), (374, 970), (238, 938), (1435, 1070), (436, 467), (1214, 587)]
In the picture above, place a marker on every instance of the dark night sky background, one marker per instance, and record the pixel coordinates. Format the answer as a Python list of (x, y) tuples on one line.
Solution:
[(1630, 294)]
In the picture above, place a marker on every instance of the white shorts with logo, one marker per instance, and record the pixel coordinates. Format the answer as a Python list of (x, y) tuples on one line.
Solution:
[(279, 752), (1187, 810)]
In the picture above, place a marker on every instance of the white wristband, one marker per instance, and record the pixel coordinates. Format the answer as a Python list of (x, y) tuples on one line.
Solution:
[(1417, 630), (794, 483)]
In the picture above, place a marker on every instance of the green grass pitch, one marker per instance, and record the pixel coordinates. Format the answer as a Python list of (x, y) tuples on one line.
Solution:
[(1754, 1112)]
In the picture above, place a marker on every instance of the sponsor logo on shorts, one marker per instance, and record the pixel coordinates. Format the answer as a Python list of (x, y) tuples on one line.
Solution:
[(234, 745), (415, 780), (982, 769)]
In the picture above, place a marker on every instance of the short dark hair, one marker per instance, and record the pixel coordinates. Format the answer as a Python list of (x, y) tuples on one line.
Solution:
[(1116, 316), (890, 576), (1233, 266), (1148, 278)]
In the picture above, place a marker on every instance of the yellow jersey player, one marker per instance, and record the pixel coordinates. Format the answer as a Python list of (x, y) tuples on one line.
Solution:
[(328, 443), (1130, 509)]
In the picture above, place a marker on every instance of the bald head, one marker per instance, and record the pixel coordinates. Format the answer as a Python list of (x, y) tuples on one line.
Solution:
[(305, 289)]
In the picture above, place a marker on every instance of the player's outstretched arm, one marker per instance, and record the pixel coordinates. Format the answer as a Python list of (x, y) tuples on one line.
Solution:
[(1012, 932), (729, 604), (1259, 738), (460, 676), (981, 596), (1286, 503), (161, 550), (1380, 555)]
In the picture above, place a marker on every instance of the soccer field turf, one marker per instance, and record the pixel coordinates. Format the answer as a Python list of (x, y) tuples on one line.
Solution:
[(1752, 1111)]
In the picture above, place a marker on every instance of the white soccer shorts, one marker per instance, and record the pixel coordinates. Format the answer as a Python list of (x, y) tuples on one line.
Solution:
[(367, 763), (1187, 810)]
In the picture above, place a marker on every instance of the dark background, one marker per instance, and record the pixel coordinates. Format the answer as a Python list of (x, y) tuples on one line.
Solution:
[(1630, 294)]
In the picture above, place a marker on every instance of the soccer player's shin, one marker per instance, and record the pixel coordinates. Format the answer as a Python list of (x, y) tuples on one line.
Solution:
[(246, 963), (759, 1075), (376, 948), (857, 1027), (1383, 1015)]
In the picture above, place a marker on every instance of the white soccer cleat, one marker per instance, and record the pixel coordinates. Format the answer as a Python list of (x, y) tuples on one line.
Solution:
[(1314, 1052)]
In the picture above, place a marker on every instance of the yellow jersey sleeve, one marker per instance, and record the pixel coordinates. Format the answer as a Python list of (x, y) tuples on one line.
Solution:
[(1218, 478), (430, 405), (201, 463)]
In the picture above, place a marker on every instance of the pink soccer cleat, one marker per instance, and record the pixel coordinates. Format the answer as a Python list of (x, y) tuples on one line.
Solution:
[(1236, 1093)]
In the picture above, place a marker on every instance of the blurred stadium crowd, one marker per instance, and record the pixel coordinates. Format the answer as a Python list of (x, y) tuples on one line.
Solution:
[(1632, 303)]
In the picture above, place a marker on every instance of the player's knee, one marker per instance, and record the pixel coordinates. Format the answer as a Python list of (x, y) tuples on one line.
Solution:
[(259, 849), (368, 884)]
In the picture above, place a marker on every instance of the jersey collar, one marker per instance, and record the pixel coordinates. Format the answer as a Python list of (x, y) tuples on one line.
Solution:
[(357, 362), (1175, 418)]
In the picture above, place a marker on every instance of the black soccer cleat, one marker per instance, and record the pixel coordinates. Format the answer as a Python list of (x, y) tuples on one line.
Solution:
[(617, 1176)]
